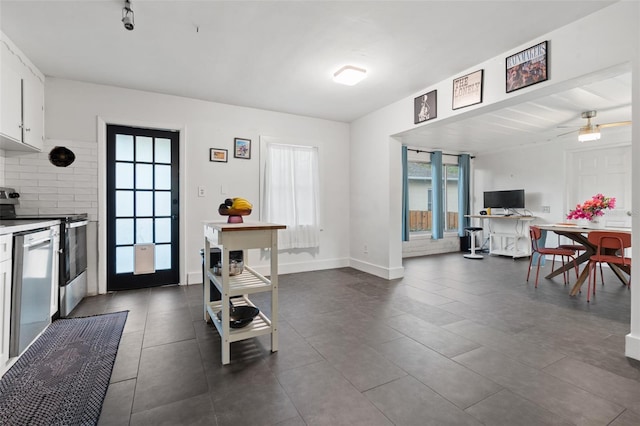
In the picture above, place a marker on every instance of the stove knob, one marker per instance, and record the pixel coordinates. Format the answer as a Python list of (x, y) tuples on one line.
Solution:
[(14, 195)]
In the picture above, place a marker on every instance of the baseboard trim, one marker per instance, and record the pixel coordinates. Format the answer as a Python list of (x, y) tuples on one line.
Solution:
[(632, 346), (370, 268)]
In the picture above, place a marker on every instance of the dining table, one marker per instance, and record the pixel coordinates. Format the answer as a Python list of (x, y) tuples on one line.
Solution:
[(580, 235)]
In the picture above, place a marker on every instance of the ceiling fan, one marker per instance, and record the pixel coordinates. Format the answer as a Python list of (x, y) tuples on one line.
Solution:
[(591, 132)]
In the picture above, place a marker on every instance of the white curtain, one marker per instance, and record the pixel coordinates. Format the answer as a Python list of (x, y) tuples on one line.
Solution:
[(291, 194)]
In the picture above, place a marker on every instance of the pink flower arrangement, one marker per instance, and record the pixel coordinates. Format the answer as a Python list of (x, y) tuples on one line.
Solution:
[(593, 207)]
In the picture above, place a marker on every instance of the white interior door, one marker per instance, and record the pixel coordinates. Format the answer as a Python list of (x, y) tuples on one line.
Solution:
[(606, 171)]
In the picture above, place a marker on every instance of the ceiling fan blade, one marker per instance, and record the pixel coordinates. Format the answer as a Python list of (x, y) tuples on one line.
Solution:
[(567, 133), (619, 123)]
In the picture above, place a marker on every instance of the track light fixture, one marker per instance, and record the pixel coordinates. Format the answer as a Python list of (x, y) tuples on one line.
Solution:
[(127, 16)]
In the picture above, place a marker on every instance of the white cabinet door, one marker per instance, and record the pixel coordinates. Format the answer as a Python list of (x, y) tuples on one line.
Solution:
[(33, 111), (11, 104)]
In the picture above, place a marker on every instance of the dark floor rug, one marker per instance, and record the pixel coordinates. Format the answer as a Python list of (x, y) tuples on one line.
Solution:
[(62, 378)]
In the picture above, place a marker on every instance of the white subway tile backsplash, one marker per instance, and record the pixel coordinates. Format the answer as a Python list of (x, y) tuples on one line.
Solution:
[(34, 162), (72, 190), (85, 197), (86, 171), (46, 189), (56, 197), (86, 183), (67, 178), (21, 169), (41, 176)]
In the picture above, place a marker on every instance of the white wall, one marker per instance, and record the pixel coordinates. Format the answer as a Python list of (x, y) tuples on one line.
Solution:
[(74, 109)]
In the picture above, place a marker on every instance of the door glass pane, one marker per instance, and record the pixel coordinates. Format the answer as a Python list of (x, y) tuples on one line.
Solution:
[(124, 259), (124, 203), (163, 230), (124, 231), (144, 149), (144, 231), (163, 177), (144, 176), (450, 173), (163, 203), (420, 214), (163, 150), (124, 175), (163, 256), (124, 148), (144, 203)]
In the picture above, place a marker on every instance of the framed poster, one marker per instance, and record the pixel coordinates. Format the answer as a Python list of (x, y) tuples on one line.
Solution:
[(242, 148), (467, 90), (527, 67), (218, 155), (425, 107)]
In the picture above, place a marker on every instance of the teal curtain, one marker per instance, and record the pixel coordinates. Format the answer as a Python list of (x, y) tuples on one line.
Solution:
[(437, 227), (405, 195), (464, 179)]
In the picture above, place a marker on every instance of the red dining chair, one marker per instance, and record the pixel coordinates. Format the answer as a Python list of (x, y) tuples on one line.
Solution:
[(536, 235), (578, 248), (609, 249)]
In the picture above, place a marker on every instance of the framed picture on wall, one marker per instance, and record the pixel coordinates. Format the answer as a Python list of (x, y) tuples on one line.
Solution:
[(218, 155), (467, 90), (425, 107), (527, 67), (242, 148)]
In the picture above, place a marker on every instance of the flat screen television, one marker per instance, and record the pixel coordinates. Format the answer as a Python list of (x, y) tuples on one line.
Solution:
[(513, 199)]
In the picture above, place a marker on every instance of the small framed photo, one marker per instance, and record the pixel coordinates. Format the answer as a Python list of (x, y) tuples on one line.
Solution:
[(467, 90), (425, 107), (242, 148), (217, 154), (527, 67)]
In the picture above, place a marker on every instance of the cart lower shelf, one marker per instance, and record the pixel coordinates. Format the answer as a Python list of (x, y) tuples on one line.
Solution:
[(260, 325)]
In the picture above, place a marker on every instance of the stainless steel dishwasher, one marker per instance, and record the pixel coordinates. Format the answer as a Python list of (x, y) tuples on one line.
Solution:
[(31, 295)]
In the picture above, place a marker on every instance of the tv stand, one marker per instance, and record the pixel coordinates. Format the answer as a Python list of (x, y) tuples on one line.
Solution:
[(508, 234)]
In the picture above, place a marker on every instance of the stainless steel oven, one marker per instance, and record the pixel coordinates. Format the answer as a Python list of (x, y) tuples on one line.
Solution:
[(73, 262)]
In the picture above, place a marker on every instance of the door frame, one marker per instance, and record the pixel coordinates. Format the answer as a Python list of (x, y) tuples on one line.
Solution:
[(101, 243)]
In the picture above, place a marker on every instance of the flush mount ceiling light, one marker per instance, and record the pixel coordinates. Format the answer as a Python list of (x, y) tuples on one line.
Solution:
[(588, 133), (349, 75), (127, 16)]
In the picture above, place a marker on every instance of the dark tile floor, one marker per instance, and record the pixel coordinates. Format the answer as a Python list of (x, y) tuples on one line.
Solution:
[(455, 342)]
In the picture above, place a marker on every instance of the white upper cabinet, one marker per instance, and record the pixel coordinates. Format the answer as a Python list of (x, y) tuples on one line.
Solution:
[(21, 100)]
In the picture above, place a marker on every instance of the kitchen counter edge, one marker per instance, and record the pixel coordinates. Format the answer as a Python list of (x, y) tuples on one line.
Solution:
[(14, 226)]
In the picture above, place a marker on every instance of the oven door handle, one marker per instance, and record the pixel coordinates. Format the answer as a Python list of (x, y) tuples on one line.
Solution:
[(77, 224), (37, 243)]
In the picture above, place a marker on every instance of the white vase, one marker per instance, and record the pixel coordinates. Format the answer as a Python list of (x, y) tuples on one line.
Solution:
[(596, 223), (582, 223)]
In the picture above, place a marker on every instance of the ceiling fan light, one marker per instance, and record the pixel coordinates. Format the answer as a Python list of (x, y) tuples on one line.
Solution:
[(588, 134), (349, 75)]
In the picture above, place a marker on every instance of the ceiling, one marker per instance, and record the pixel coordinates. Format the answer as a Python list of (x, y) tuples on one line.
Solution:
[(280, 55)]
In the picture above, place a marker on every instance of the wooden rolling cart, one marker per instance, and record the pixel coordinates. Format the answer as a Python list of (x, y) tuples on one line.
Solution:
[(241, 236)]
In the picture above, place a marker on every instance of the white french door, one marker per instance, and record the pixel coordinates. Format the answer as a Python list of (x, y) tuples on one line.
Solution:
[(606, 171)]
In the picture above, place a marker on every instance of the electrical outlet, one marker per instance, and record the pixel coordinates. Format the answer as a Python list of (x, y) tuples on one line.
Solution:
[(365, 250), (201, 191), (546, 209)]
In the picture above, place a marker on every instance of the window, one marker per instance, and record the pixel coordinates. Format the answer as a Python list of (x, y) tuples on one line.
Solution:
[(421, 201), (291, 194)]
